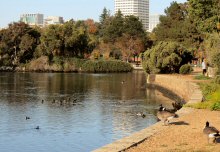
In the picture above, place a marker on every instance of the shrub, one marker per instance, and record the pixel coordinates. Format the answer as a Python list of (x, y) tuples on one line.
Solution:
[(185, 69), (106, 66)]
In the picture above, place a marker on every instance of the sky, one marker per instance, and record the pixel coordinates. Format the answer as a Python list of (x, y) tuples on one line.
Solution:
[(10, 10)]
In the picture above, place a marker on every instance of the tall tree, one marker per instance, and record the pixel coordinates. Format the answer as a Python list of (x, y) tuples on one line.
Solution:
[(115, 28), (204, 13)]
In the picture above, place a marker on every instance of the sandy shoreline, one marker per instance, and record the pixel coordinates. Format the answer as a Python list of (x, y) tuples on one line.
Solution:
[(184, 135)]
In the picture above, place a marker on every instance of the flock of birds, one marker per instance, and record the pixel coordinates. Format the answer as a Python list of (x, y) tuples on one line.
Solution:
[(166, 115), (65, 101), (163, 114)]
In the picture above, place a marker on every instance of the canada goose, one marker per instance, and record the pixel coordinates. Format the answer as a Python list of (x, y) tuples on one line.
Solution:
[(211, 132), (177, 105), (169, 110), (165, 115)]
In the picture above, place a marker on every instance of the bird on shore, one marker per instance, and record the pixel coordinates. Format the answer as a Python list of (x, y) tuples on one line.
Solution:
[(177, 106), (165, 115), (211, 132), (42, 101)]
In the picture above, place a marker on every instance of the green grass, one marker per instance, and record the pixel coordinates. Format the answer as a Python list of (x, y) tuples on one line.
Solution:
[(201, 77), (211, 93)]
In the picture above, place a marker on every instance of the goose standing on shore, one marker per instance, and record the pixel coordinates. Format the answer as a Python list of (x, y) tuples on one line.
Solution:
[(211, 132), (165, 115)]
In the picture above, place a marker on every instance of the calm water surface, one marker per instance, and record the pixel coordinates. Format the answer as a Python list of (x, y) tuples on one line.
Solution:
[(101, 109)]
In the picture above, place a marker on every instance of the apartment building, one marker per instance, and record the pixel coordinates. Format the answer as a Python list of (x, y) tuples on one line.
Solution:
[(53, 20), (139, 8), (154, 19), (33, 19)]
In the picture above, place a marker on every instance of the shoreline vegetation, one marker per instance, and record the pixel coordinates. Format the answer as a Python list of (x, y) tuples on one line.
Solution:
[(43, 64)]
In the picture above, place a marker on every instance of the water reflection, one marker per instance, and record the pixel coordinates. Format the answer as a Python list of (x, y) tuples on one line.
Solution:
[(101, 109)]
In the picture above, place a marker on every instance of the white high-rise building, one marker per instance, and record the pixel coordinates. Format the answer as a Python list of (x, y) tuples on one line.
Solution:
[(33, 19), (139, 8), (153, 21), (53, 20)]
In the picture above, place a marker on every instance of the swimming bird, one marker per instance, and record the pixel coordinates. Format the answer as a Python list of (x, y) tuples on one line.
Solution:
[(53, 101), (141, 114), (211, 132), (37, 127), (165, 115), (27, 118)]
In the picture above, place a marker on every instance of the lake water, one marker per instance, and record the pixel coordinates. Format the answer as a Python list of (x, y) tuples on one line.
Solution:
[(97, 109)]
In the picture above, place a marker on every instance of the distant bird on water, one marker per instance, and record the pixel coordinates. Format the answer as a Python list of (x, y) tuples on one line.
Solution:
[(165, 115), (211, 132), (27, 118), (37, 127), (141, 114)]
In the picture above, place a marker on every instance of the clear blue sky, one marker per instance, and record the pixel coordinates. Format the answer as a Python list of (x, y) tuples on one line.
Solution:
[(10, 10)]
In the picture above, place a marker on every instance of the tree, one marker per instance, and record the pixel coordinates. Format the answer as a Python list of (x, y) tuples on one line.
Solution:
[(16, 41), (212, 47), (165, 57), (204, 14), (104, 21), (114, 29)]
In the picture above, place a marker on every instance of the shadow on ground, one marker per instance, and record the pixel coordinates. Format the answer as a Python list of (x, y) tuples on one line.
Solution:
[(179, 123)]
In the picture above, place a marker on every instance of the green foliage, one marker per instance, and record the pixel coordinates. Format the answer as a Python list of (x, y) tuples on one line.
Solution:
[(101, 66), (175, 26), (185, 69), (211, 93), (165, 57), (212, 47), (18, 43), (204, 14)]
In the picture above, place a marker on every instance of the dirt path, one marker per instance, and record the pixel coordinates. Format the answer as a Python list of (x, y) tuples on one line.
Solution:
[(184, 135)]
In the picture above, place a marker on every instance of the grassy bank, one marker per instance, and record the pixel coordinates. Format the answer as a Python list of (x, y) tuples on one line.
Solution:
[(211, 96)]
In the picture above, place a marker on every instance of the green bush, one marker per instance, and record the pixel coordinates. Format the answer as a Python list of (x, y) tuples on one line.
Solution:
[(106, 66), (185, 69)]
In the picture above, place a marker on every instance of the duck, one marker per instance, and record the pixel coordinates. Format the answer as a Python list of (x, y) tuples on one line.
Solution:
[(122, 82), (141, 114), (53, 101), (165, 115), (37, 127), (27, 118), (211, 132)]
